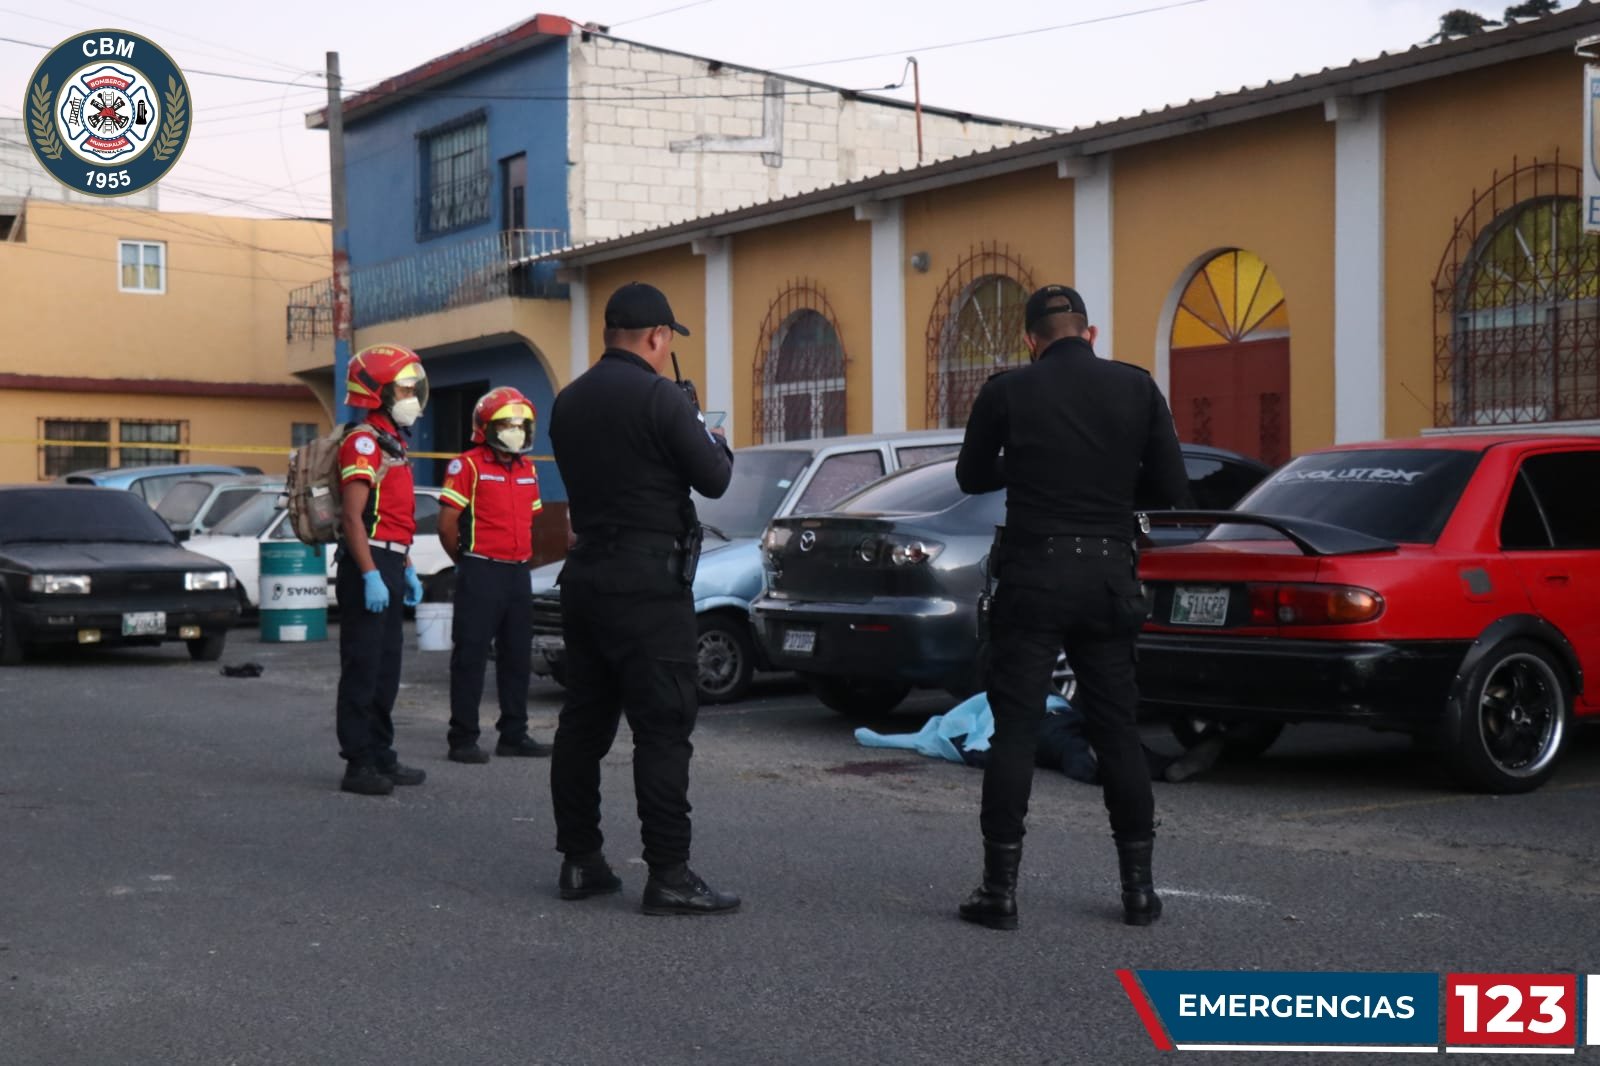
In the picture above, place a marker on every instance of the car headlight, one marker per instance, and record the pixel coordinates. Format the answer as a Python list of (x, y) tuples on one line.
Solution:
[(207, 580), (59, 584)]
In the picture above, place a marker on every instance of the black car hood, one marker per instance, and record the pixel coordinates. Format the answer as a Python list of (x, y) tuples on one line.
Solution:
[(95, 556)]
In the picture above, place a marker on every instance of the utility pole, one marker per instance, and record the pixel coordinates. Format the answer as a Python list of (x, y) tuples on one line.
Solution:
[(341, 240)]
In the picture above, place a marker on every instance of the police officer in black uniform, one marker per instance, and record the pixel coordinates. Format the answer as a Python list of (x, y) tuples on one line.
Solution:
[(630, 444), (1081, 437)]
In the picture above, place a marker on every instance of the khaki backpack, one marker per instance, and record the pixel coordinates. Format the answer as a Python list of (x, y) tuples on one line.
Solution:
[(314, 488)]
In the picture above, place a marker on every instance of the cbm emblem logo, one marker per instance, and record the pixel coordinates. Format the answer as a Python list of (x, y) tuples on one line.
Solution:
[(108, 113)]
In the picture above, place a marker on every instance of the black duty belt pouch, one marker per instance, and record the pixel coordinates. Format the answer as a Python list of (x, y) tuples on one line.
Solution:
[(991, 576)]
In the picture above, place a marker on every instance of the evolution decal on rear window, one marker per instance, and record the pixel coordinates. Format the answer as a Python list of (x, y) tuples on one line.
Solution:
[(1365, 475)]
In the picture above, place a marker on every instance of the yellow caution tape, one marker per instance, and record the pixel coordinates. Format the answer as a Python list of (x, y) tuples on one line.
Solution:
[(241, 449)]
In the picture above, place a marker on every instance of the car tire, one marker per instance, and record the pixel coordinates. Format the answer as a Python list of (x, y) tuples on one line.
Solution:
[(1240, 740), (1508, 723), (207, 649), (12, 650), (857, 698), (725, 658)]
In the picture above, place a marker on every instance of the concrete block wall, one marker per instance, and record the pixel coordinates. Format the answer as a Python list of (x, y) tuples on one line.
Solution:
[(640, 118)]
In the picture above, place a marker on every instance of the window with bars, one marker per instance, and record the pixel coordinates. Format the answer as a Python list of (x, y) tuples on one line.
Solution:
[(1517, 301), (143, 266), (975, 330), (800, 368), (70, 455), (455, 177), (302, 433), (141, 433)]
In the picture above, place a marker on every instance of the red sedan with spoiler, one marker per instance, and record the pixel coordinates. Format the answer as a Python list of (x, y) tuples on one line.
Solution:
[(1448, 587)]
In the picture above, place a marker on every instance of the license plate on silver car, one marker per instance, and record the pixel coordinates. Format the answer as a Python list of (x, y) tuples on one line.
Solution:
[(1199, 606), (800, 641), (144, 624)]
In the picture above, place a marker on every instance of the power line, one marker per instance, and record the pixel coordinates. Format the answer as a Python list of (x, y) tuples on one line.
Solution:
[(263, 60), (656, 14), (995, 37)]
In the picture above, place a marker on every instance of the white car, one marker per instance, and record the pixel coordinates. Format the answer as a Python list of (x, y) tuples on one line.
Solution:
[(236, 541)]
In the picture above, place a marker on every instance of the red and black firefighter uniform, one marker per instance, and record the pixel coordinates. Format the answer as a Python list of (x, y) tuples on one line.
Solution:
[(490, 500), (375, 579)]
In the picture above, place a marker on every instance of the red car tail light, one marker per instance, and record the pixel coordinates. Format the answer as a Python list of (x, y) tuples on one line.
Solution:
[(1312, 605)]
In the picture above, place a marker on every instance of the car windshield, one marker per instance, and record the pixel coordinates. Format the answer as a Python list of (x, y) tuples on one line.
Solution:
[(760, 482), (1399, 494), (252, 519), (920, 490), (182, 502), (78, 516)]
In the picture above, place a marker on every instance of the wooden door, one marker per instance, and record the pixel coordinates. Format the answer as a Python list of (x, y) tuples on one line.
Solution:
[(1234, 396)]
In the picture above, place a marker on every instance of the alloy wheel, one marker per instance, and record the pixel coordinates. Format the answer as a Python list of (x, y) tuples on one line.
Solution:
[(1520, 719)]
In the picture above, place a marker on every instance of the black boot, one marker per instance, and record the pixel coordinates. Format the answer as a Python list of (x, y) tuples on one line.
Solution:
[(994, 903), (1140, 904), (676, 889), (588, 875)]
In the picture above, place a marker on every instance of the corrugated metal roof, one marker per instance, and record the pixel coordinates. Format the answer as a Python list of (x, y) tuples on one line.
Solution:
[(1552, 33)]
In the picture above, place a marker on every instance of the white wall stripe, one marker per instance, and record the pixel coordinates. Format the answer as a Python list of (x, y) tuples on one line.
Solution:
[(888, 314), (1093, 242), (1358, 278), (719, 329)]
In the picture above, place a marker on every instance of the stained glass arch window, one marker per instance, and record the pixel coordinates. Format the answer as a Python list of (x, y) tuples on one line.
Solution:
[(1233, 298)]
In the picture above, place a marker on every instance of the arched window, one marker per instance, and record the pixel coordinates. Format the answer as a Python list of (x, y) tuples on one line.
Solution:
[(974, 331), (1518, 299), (799, 368)]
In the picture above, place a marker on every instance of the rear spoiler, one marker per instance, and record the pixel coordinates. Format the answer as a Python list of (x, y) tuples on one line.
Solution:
[(1310, 536)]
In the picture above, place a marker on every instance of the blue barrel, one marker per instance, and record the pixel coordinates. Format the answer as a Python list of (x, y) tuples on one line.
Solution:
[(294, 592)]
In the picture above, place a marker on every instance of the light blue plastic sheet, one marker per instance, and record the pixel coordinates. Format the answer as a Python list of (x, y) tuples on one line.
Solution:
[(970, 718)]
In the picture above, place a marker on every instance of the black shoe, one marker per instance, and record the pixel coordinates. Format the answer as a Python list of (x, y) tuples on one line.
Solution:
[(679, 890), (1140, 904), (527, 748), (365, 781), (993, 904), (583, 876), (405, 775), (469, 753), (1197, 760)]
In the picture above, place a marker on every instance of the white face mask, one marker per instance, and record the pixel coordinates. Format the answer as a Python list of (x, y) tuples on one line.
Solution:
[(406, 411), (512, 440)]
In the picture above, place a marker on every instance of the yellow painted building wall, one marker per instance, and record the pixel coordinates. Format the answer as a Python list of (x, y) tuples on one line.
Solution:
[(220, 320), (1444, 141), (681, 276), (1265, 186), (1028, 214), (834, 252)]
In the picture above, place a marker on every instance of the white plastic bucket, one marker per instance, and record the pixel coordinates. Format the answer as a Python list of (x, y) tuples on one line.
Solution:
[(433, 626)]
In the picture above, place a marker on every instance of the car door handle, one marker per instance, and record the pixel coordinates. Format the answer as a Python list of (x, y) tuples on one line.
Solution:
[(1557, 578)]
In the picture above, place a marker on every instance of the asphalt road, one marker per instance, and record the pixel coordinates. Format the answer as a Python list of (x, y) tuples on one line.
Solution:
[(182, 883)]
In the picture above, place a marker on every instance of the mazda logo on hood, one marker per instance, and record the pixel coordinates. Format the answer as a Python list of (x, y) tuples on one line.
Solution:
[(808, 540)]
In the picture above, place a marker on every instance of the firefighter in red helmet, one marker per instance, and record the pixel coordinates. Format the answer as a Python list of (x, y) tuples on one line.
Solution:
[(375, 577), (490, 501)]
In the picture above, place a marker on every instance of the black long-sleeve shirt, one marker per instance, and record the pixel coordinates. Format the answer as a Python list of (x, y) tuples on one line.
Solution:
[(1083, 437), (630, 446)]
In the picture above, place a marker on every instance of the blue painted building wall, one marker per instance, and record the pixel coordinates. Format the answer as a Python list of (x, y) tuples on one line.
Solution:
[(384, 162)]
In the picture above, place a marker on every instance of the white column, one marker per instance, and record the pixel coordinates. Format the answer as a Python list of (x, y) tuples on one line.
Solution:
[(1092, 240), (578, 326), (719, 327), (1358, 282), (888, 314)]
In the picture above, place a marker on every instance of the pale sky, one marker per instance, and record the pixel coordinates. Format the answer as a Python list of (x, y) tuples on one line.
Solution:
[(250, 146)]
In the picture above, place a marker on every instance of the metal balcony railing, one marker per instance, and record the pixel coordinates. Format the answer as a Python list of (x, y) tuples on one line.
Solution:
[(458, 274)]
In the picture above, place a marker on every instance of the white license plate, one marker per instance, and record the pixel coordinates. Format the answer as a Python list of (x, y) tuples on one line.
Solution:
[(144, 624), (800, 641), (1199, 606)]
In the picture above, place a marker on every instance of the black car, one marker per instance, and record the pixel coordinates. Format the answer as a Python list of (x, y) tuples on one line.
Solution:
[(879, 595), (89, 565)]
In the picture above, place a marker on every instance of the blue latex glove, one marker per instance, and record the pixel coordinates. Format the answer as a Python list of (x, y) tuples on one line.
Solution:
[(413, 594), (375, 591)]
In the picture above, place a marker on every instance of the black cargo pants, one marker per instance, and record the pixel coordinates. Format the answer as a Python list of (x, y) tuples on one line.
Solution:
[(629, 627), (369, 660), (493, 602), (1083, 594)]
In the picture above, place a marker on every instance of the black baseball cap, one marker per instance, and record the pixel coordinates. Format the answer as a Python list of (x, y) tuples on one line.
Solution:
[(640, 306), (1038, 305)]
